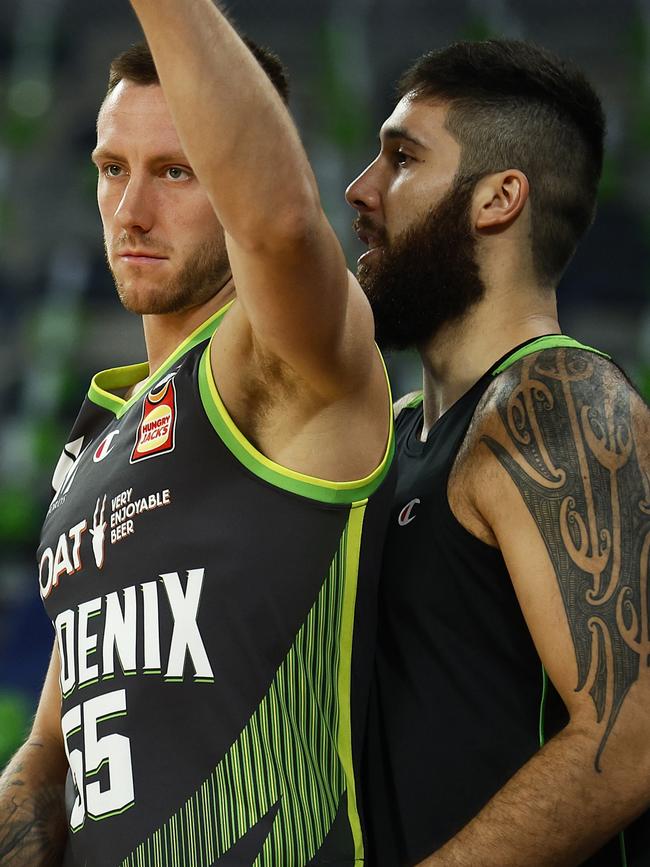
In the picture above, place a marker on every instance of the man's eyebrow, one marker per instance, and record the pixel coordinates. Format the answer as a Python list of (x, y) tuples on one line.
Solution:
[(171, 158), (102, 153), (398, 132)]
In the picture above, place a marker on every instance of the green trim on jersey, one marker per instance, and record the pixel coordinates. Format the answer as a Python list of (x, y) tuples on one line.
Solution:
[(415, 401), (542, 709), (621, 840), (295, 751), (281, 477), (548, 341), (106, 382), (353, 555)]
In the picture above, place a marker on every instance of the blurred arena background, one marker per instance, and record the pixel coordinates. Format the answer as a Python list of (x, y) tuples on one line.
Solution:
[(60, 321)]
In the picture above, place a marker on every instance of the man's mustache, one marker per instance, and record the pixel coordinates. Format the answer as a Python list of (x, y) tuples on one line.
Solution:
[(131, 241), (364, 223)]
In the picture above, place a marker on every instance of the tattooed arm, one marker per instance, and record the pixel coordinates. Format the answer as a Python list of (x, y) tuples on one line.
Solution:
[(32, 816), (555, 472)]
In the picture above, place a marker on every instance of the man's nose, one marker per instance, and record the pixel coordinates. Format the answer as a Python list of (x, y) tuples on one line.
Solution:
[(363, 193), (136, 207)]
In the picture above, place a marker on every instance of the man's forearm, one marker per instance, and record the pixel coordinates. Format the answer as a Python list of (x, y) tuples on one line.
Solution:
[(32, 812), (555, 812), (237, 134)]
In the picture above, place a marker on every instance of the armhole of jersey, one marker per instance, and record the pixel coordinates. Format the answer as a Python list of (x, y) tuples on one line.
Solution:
[(621, 838), (548, 341), (314, 488), (542, 741), (542, 709)]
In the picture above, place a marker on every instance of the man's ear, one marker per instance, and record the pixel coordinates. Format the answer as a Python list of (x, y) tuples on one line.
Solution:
[(499, 199)]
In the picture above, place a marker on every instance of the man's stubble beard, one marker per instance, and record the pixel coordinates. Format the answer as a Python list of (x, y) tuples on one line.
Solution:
[(198, 280), (428, 276)]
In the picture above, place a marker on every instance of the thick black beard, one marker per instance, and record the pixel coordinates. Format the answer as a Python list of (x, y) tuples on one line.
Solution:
[(428, 276)]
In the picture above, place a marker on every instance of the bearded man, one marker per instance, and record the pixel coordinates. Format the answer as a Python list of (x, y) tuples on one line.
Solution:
[(510, 716)]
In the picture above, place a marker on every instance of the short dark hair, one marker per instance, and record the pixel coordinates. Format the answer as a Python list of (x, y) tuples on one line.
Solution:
[(513, 104), (136, 64)]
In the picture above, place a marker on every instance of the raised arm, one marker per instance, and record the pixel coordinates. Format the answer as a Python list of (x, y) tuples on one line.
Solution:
[(32, 815), (562, 450), (294, 290)]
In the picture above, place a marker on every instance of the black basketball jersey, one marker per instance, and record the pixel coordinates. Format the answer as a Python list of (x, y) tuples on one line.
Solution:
[(215, 617), (460, 700)]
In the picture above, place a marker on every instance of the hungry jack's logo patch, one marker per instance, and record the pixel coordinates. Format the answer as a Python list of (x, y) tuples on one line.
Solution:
[(156, 433)]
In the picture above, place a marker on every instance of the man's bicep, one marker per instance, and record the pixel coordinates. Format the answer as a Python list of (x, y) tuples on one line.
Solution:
[(573, 523)]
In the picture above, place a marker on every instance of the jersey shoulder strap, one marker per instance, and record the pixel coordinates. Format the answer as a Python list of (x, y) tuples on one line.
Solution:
[(548, 341)]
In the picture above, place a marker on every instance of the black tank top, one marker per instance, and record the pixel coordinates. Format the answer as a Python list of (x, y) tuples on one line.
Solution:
[(460, 700), (215, 618)]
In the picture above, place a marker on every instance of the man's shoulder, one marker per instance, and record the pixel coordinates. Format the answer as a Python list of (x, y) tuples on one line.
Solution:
[(543, 421), (548, 402), (551, 383)]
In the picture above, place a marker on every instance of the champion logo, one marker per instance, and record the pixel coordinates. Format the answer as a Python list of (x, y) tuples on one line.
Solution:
[(407, 515), (105, 447)]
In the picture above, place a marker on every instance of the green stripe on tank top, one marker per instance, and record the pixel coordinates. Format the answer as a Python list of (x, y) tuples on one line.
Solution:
[(548, 341), (295, 751)]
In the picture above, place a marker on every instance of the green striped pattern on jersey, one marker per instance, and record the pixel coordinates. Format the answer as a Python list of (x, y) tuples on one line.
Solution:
[(295, 750)]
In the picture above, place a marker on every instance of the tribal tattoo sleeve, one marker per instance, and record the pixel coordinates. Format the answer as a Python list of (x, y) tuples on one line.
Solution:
[(574, 452), (32, 823)]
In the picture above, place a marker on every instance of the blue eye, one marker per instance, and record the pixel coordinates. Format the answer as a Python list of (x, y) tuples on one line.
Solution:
[(176, 173), (112, 170)]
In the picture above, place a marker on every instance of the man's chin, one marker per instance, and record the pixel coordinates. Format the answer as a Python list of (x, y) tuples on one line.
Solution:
[(160, 301), (146, 303)]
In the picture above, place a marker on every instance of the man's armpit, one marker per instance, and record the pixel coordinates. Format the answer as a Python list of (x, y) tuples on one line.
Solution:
[(569, 442)]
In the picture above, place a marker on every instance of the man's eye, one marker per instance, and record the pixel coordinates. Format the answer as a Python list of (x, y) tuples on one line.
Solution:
[(402, 159), (112, 170), (176, 173)]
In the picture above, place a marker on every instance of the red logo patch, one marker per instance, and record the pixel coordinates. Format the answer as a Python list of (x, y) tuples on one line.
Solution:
[(157, 429), (105, 447)]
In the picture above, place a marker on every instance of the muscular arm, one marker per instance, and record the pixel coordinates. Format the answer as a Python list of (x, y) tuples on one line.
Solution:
[(560, 458), (294, 292), (32, 816)]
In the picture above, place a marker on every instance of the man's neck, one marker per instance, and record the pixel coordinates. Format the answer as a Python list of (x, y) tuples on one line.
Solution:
[(463, 351), (163, 333)]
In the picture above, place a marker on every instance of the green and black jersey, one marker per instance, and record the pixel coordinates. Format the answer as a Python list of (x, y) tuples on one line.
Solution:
[(215, 618), (460, 700)]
